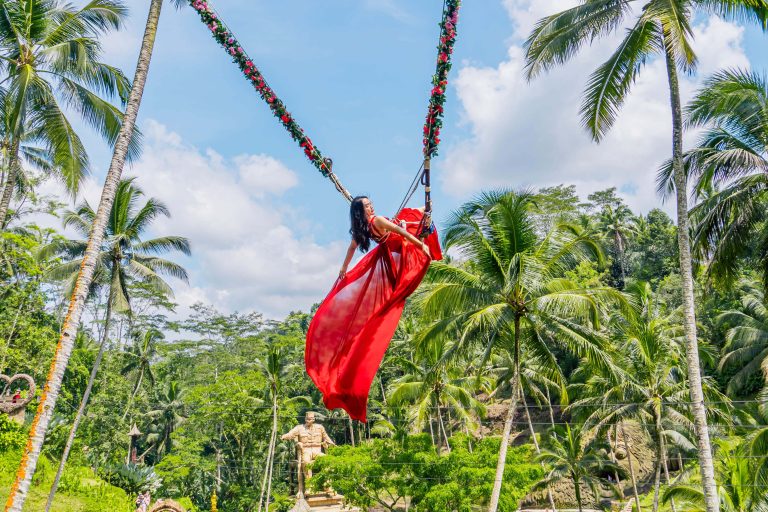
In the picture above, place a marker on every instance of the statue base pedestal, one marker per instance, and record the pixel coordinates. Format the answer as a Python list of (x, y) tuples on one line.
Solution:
[(323, 502)]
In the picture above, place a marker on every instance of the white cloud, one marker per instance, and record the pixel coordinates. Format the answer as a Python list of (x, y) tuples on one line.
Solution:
[(262, 174), (248, 251), (529, 134), (248, 254)]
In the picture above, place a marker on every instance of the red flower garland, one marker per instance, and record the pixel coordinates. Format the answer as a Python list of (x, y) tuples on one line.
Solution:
[(226, 39), (434, 120)]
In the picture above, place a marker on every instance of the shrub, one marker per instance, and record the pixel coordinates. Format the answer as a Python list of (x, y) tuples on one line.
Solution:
[(385, 472), (12, 435)]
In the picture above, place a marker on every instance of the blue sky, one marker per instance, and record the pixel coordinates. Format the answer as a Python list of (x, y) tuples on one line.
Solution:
[(267, 229)]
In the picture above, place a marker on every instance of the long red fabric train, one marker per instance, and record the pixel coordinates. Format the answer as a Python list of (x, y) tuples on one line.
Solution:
[(352, 328)]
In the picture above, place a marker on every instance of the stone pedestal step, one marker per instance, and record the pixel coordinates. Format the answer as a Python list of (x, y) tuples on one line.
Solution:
[(334, 508), (323, 503)]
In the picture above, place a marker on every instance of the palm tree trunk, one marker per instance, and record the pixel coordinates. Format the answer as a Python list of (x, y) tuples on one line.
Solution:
[(549, 407), (133, 395), (83, 405), (138, 385), (536, 446), (11, 333), (657, 478), (499, 478), (272, 451), (351, 430), (620, 256), (706, 464), (10, 183), (631, 468), (612, 443), (577, 488), (267, 480), (383, 392), (442, 426), (18, 492), (469, 438), (432, 431), (666, 469)]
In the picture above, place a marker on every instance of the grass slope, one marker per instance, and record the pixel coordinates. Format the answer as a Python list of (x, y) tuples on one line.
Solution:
[(80, 489)]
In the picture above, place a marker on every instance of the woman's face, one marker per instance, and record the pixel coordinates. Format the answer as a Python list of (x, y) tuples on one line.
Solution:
[(368, 207)]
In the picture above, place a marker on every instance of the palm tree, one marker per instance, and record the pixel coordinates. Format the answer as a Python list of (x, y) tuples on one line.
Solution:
[(124, 256), (433, 386), (730, 159), (168, 413), (653, 386), (746, 340), (662, 27), (18, 492), (140, 359), (737, 491), (758, 439), (31, 153), (617, 225), (572, 456), (51, 65), (535, 384), (511, 293), (277, 372)]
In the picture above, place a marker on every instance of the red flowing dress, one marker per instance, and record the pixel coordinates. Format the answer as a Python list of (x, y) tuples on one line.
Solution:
[(352, 328)]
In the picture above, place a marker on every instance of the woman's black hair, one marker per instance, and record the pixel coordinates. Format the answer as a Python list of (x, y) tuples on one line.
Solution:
[(359, 224)]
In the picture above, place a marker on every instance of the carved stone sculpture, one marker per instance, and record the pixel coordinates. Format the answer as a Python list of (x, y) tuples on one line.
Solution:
[(310, 439)]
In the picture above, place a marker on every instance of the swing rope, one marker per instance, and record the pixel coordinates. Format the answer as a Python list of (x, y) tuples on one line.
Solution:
[(229, 42), (434, 121)]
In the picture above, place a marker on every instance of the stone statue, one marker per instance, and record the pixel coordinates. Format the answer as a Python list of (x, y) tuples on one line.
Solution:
[(310, 439)]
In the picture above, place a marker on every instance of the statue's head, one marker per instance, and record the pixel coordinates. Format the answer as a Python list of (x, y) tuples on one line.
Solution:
[(309, 419)]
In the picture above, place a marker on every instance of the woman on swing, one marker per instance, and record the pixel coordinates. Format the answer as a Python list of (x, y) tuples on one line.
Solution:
[(352, 328)]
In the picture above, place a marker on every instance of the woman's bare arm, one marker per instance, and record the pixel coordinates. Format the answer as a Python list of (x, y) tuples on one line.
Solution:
[(384, 224), (350, 252)]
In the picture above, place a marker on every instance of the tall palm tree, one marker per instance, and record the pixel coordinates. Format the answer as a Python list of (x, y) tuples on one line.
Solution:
[(31, 154), (533, 383), (276, 371), (652, 386), (51, 65), (661, 27), (124, 257), (731, 159), (511, 293), (433, 386), (616, 222), (20, 488), (758, 439), (140, 357), (746, 340), (573, 456), (167, 414), (738, 491)]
